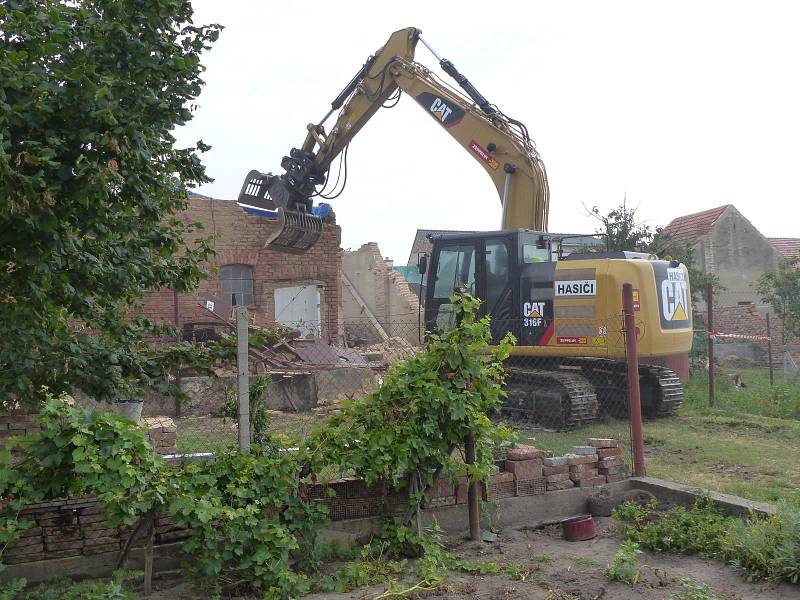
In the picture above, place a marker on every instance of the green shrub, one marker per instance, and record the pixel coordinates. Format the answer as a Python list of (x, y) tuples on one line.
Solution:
[(247, 519), (693, 590), (760, 547), (750, 546), (626, 564), (766, 548), (696, 531), (64, 588)]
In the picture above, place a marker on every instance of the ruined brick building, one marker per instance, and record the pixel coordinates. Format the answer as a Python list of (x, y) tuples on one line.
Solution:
[(299, 290)]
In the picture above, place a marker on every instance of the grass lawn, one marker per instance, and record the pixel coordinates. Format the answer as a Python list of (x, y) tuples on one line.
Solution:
[(205, 434), (748, 445)]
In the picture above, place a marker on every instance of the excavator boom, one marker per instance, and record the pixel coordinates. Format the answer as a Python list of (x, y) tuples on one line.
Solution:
[(501, 145)]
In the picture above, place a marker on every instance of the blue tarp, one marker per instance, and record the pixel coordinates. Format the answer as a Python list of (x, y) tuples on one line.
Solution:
[(322, 210), (410, 274)]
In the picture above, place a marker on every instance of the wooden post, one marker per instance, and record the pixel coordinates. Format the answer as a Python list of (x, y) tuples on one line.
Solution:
[(148, 556), (634, 395), (243, 378), (769, 353), (473, 497), (710, 328)]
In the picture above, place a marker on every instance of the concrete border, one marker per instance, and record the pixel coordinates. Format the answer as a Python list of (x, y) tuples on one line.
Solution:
[(685, 495)]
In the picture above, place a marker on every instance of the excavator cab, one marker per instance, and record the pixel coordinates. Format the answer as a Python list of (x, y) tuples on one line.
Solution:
[(483, 264)]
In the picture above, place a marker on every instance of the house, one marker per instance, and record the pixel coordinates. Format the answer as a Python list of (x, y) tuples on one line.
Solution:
[(301, 291), (788, 247), (728, 245)]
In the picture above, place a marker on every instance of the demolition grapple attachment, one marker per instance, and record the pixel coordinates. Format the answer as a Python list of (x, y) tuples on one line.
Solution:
[(297, 232), (298, 228)]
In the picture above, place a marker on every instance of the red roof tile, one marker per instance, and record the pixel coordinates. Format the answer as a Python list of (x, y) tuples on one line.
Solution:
[(787, 246), (688, 228)]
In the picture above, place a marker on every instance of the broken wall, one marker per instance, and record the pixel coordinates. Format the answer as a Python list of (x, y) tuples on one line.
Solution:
[(377, 302)]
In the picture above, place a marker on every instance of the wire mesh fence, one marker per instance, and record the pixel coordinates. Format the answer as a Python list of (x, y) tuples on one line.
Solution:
[(745, 444), (553, 402)]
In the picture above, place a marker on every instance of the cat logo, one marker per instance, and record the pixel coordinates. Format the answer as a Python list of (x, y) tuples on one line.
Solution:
[(440, 109), (533, 313), (675, 296), (444, 111)]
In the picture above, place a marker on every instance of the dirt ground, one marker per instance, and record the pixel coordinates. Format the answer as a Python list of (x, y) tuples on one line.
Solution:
[(559, 570)]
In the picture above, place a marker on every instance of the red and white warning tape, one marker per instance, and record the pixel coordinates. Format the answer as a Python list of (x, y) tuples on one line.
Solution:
[(737, 336)]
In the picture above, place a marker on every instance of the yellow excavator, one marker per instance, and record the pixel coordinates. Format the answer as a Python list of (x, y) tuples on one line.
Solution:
[(565, 310)]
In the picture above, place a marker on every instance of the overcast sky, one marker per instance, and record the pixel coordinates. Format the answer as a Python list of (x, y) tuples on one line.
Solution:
[(684, 106)]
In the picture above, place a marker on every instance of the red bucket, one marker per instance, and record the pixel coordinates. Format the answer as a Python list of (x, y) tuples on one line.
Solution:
[(578, 529)]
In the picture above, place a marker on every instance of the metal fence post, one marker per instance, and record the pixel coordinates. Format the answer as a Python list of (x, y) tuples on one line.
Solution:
[(710, 328), (634, 398), (769, 353), (243, 378)]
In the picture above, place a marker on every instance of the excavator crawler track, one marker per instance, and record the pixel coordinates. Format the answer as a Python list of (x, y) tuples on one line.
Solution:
[(667, 395), (556, 399), (576, 392)]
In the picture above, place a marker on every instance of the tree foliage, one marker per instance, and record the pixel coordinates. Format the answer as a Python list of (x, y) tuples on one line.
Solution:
[(90, 91), (623, 230), (780, 288)]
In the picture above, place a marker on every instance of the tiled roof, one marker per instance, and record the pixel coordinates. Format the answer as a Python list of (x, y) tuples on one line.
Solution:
[(788, 247), (689, 228)]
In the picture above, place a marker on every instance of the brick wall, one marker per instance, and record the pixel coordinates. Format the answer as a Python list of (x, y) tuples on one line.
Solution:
[(77, 527), (745, 319), (17, 423), (240, 240)]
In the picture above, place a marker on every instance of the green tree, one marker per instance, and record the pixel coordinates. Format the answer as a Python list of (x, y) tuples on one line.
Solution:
[(781, 290), (90, 91), (623, 230)]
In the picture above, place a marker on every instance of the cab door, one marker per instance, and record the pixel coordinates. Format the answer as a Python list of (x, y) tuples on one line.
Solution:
[(496, 289), (453, 267)]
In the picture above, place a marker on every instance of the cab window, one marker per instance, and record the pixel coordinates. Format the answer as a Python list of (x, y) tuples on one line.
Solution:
[(455, 270), (496, 272), (533, 254)]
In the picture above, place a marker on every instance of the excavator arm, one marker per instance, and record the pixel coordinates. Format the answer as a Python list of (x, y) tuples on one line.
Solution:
[(501, 145)]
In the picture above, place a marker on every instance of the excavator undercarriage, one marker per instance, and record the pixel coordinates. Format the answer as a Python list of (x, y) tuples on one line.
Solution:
[(574, 392)]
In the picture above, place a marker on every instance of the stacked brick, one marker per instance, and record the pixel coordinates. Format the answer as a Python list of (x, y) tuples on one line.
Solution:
[(75, 528), (162, 434), (597, 463), (526, 466), (610, 462), (63, 529)]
